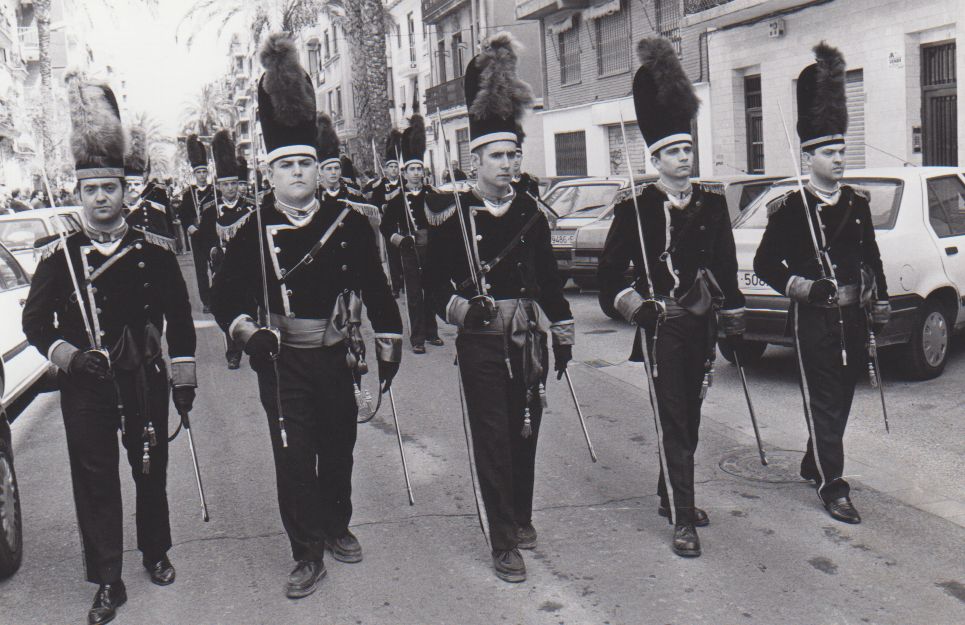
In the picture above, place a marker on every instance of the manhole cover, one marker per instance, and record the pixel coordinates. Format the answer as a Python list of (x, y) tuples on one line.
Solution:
[(783, 465)]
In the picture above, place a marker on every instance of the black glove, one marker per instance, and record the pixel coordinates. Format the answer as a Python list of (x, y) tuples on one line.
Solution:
[(822, 291), (262, 344), (646, 317), (90, 363), (183, 397), (407, 243), (480, 313), (562, 355), (387, 371)]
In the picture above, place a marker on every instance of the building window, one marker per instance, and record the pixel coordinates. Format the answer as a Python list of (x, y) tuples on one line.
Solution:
[(570, 153), (338, 102), (668, 21), (569, 48), (462, 147), (457, 55), (854, 152), (328, 49), (331, 103), (635, 145), (939, 104), (411, 22), (398, 35), (442, 61), (754, 119), (946, 206), (334, 40), (313, 61), (612, 44)]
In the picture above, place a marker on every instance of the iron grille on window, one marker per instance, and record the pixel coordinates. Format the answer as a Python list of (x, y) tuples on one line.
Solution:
[(457, 55), (612, 44), (462, 147), (696, 6), (668, 20), (570, 56), (754, 118), (570, 153)]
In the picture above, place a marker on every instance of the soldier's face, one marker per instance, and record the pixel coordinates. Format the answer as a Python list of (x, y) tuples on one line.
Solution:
[(102, 199), (229, 190), (134, 189), (294, 179), (826, 163), (415, 174), (201, 177), (392, 170), (494, 163), (518, 163), (675, 161), (331, 175)]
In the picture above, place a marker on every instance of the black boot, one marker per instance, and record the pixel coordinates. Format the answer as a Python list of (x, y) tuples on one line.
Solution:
[(509, 566), (346, 548), (109, 597), (304, 578), (162, 571), (685, 540)]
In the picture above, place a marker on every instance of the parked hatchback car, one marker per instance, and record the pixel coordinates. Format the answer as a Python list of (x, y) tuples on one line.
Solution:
[(11, 534), (20, 230), (919, 218)]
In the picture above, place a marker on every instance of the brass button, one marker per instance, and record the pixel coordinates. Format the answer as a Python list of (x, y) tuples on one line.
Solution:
[(291, 315), (479, 237), (288, 292), (137, 246), (277, 250), (703, 227), (99, 311), (141, 264), (147, 285), (344, 244), (344, 267), (147, 307)]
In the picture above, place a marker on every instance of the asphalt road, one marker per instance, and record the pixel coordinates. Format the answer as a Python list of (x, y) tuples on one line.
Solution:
[(771, 554)]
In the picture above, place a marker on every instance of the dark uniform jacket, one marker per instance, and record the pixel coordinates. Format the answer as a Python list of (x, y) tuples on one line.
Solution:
[(349, 260), (151, 214), (527, 184), (708, 242), (219, 223), (394, 219), (529, 271), (189, 211), (383, 191), (787, 249), (139, 283)]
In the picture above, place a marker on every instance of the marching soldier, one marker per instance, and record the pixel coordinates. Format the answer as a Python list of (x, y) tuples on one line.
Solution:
[(685, 290), (381, 193), (221, 219), (146, 206), (405, 227), (523, 182), (97, 306), (348, 174), (491, 272), (832, 275), (290, 290), (193, 198)]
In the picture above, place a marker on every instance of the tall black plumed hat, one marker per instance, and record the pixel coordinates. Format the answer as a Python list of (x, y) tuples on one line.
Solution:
[(393, 146), (414, 142), (136, 161), (242, 168), (286, 101), (348, 167), (496, 97), (197, 153), (822, 104), (663, 96), (225, 159), (520, 135), (326, 140), (97, 137)]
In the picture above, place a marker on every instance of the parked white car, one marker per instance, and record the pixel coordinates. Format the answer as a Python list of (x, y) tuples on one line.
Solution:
[(19, 231), (919, 217)]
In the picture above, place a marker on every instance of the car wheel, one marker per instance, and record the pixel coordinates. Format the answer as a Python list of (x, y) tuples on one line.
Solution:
[(11, 536), (750, 352), (607, 307), (927, 352)]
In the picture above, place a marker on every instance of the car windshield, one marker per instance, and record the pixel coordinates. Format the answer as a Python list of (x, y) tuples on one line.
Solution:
[(885, 197), (589, 200), (20, 234)]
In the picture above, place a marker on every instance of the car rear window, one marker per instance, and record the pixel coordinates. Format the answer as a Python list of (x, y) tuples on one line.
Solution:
[(589, 200), (885, 199), (20, 234)]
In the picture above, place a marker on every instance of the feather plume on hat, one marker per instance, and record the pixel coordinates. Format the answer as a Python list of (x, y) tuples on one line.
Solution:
[(223, 152), (501, 93), (393, 146), (326, 141), (284, 81), (136, 161), (97, 137), (663, 96), (414, 141), (197, 154)]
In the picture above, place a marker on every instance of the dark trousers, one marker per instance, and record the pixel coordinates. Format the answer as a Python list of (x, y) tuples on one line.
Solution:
[(422, 321), (829, 386), (395, 266), (314, 473), (201, 267), (682, 349), (91, 423), (233, 347), (505, 461)]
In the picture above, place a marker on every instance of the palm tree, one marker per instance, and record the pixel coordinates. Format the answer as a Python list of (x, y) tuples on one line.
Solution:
[(211, 111), (362, 21)]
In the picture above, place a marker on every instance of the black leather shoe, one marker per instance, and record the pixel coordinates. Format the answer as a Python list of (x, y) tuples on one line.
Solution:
[(109, 597), (419, 349), (526, 537), (509, 566), (345, 548), (843, 510), (304, 578), (700, 517), (234, 361), (685, 541), (438, 342), (162, 571)]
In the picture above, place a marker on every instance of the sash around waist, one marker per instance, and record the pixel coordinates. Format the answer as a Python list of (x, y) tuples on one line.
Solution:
[(300, 333), (505, 314)]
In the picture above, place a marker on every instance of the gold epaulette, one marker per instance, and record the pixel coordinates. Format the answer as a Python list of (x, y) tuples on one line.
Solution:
[(158, 239), (392, 194), (712, 187), (48, 249), (368, 211), (226, 233), (861, 192), (437, 218), (779, 202)]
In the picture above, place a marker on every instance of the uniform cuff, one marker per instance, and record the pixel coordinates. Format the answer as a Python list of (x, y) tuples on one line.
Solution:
[(456, 310), (60, 353), (627, 303), (798, 288), (388, 347), (396, 239), (564, 332), (242, 328), (732, 321), (881, 312), (184, 372)]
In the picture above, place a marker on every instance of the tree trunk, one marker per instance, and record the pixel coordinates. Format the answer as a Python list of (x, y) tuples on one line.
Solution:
[(370, 77), (42, 13)]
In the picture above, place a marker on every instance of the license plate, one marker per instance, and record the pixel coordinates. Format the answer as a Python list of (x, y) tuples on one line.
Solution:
[(747, 280), (562, 240)]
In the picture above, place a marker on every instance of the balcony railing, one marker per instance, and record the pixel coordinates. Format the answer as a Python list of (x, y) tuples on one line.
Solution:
[(445, 96), (434, 9), (696, 6)]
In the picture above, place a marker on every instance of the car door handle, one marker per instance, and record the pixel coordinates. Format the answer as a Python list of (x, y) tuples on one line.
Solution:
[(23, 302), (951, 251)]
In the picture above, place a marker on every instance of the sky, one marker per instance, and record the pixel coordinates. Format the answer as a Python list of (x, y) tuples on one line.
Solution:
[(161, 73)]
